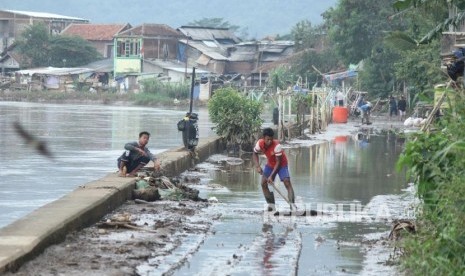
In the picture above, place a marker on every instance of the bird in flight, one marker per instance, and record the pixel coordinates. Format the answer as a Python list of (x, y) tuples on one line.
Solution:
[(32, 141)]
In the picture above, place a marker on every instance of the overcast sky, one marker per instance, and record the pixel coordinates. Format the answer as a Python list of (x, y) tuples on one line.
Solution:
[(261, 17)]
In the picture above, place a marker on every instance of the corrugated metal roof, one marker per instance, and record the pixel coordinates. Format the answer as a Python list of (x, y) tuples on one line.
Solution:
[(244, 56), (177, 66), (217, 53), (96, 32), (151, 30), (45, 15), (207, 33), (104, 65), (54, 71)]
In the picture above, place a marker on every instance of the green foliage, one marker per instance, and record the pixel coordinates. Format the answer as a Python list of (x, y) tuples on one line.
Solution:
[(34, 44), (235, 117), (42, 49), (436, 161), (155, 92), (324, 61), (280, 78), (420, 67), (170, 90), (356, 30), (419, 64), (71, 51), (377, 76), (306, 36), (356, 27), (433, 6)]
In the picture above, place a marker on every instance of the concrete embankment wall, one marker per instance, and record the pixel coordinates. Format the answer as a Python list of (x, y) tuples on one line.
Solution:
[(28, 237)]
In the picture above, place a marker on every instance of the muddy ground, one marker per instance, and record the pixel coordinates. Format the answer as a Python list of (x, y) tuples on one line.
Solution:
[(146, 234)]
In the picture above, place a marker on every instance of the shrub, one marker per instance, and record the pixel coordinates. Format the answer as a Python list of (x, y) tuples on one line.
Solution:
[(235, 117), (435, 161)]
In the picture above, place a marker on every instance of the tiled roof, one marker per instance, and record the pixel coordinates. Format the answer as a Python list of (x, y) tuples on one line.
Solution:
[(152, 30), (95, 32)]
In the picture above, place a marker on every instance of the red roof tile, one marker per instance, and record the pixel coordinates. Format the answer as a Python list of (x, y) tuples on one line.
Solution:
[(95, 32), (152, 30)]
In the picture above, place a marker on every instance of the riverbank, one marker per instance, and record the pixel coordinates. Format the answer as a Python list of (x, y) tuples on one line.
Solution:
[(29, 236), (179, 228), (104, 98)]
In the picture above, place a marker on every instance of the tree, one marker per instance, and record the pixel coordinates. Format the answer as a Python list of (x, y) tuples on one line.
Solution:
[(41, 49), (71, 51), (280, 78), (34, 45), (324, 61), (455, 17), (356, 27), (356, 30), (235, 117), (306, 36), (419, 62)]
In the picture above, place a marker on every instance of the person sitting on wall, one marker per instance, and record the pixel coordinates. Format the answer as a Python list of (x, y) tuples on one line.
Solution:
[(136, 156)]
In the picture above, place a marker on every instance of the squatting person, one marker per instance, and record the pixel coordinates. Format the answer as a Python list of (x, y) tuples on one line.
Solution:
[(136, 156)]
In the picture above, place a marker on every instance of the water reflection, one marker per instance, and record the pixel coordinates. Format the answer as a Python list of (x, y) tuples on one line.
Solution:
[(273, 242)]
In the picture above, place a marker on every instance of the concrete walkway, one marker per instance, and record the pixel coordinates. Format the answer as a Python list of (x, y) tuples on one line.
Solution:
[(29, 236)]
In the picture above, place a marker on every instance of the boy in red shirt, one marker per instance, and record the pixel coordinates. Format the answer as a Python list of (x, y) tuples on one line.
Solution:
[(277, 164)]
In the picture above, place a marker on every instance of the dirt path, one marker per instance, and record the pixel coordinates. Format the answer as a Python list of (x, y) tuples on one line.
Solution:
[(156, 230)]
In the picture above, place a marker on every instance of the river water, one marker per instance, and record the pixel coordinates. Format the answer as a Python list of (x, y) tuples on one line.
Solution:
[(85, 141)]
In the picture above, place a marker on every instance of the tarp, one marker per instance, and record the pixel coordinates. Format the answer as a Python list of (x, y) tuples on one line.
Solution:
[(55, 71)]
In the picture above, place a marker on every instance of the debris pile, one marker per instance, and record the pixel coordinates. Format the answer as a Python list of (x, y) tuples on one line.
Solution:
[(155, 187)]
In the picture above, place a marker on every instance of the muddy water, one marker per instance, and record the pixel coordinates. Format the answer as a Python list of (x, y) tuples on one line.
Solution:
[(85, 141), (351, 182)]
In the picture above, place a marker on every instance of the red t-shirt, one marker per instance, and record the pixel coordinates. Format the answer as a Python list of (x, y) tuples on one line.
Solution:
[(271, 152)]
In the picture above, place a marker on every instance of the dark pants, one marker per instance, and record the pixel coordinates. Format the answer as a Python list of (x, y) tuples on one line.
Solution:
[(132, 163)]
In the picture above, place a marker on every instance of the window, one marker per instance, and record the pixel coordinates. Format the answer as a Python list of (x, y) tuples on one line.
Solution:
[(129, 47)]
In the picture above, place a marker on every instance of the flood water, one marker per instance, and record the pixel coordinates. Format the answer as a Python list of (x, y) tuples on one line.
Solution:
[(351, 182), (332, 177), (85, 141)]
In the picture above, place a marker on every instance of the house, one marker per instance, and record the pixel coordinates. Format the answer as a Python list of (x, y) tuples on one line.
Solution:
[(13, 23), (257, 58), (206, 47), (171, 70), (147, 41), (99, 35), (9, 60)]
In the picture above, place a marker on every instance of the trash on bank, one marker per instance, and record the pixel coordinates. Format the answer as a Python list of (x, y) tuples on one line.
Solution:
[(152, 188)]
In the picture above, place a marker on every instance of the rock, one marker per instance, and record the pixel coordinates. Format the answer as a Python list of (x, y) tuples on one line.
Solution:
[(147, 194)]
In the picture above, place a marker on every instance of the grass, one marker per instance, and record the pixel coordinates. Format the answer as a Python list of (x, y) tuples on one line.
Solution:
[(49, 96)]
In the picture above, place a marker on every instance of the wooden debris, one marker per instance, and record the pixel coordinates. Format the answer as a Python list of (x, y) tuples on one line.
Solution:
[(116, 225), (399, 227)]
